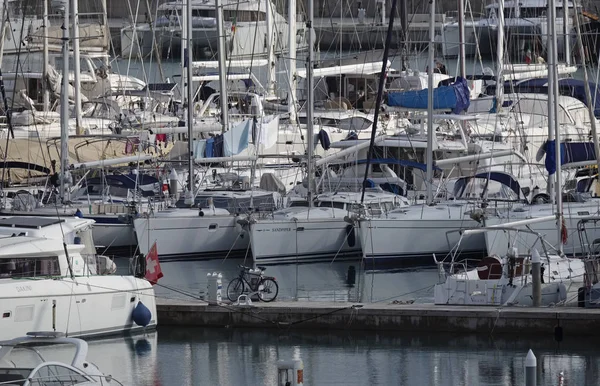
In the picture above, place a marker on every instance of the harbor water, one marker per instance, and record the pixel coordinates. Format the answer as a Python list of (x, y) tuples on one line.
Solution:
[(242, 357)]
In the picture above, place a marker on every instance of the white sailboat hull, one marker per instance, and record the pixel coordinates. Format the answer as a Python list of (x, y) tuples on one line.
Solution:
[(191, 237), (85, 306), (414, 240), (304, 241)]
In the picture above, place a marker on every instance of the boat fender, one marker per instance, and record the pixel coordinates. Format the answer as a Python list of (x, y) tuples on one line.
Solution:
[(351, 237), (78, 213), (201, 214), (141, 315)]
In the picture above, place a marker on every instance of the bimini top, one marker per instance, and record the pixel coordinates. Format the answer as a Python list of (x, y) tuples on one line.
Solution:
[(501, 177)]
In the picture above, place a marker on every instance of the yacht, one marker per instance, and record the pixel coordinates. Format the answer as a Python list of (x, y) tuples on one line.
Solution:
[(52, 279), (525, 22), (245, 26), (507, 280)]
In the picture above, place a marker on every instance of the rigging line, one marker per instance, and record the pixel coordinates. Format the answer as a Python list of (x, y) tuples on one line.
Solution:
[(382, 78)]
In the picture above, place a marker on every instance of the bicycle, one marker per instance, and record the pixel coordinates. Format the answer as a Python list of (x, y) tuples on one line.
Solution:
[(253, 283)]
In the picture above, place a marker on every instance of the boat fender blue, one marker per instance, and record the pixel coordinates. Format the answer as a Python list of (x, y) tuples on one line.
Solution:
[(351, 237), (141, 315), (78, 213)]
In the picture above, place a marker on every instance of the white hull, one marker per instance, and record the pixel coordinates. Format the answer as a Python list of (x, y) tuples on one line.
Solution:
[(303, 241), (415, 240), (114, 235), (85, 306), (184, 237)]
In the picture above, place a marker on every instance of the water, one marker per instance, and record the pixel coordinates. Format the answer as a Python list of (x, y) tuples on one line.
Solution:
[(205, 356)]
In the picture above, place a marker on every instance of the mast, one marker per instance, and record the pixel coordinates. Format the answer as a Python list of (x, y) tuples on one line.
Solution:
[(461, 39), (551, 95), (46, 100), (222, 68), (271, 76), (183, 57), (566, 27), (310, 97), (293, 79), (554, 82), (429, 161), (500, 58), (382, 76), (76, 68), (588, 92), (190, 97), (64, 107)]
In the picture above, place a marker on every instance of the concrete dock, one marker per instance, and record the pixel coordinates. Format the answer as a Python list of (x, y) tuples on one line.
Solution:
[(557, 321)]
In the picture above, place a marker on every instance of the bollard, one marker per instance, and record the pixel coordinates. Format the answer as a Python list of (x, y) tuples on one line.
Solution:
[(561, 378), (214, 288), (530, 369), (536, 278)]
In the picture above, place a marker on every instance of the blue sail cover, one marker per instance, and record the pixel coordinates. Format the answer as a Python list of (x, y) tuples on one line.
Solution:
[(570, 152), (455, 97), (501, 177)]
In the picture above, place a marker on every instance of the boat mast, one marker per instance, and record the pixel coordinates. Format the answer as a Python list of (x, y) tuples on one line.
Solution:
[(551, 95), (183, 24), (271, 76), (222, 67), (46, 91), (461, 39), (566, 28), (553, 81), (429, 161), (293, 78), (500, 58), (588, 91), (64, 116), (310, 97), (190, 97), (76, 68), (382, 77)]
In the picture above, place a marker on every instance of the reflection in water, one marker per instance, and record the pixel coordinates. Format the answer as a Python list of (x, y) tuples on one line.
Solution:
[(199, 356), (336, 281)]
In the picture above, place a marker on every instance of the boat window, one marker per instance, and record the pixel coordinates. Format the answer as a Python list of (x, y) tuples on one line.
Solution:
[(531, 12), (56, 375), (29, 267), (354, 123), (299, 203), (87, 109), (16, 376), (242, 16), (202, 13), (330, 204)]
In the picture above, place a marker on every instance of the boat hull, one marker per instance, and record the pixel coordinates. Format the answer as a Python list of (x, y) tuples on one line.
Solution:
[(304, 241), (183, 238), (85, 306), (414, 242)]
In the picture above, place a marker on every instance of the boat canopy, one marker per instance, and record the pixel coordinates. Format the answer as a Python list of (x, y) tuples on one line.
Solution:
[(455, 97), (501, 177)]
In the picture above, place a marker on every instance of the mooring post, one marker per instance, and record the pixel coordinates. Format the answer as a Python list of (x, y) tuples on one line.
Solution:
[(530, 369)]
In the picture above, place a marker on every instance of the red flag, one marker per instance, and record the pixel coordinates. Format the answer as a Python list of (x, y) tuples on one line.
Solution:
[(153, 271)]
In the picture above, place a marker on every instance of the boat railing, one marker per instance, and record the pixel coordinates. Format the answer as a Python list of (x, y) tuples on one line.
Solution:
[(61, 379), (516, 269)]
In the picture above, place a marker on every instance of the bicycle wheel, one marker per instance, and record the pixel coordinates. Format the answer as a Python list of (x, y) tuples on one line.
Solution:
[(235, 289), (269, 290)]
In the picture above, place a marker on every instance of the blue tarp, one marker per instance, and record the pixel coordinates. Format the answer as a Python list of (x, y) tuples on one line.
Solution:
[(570, 152), (455, 97)]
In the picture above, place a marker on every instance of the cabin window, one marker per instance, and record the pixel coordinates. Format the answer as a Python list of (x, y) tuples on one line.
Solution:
[(29, 267), (244, 16), (330, 204), (533, 12), (56, 375), (202, 13)]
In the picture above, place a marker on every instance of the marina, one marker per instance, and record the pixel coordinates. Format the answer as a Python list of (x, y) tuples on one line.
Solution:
[(299, 193)]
